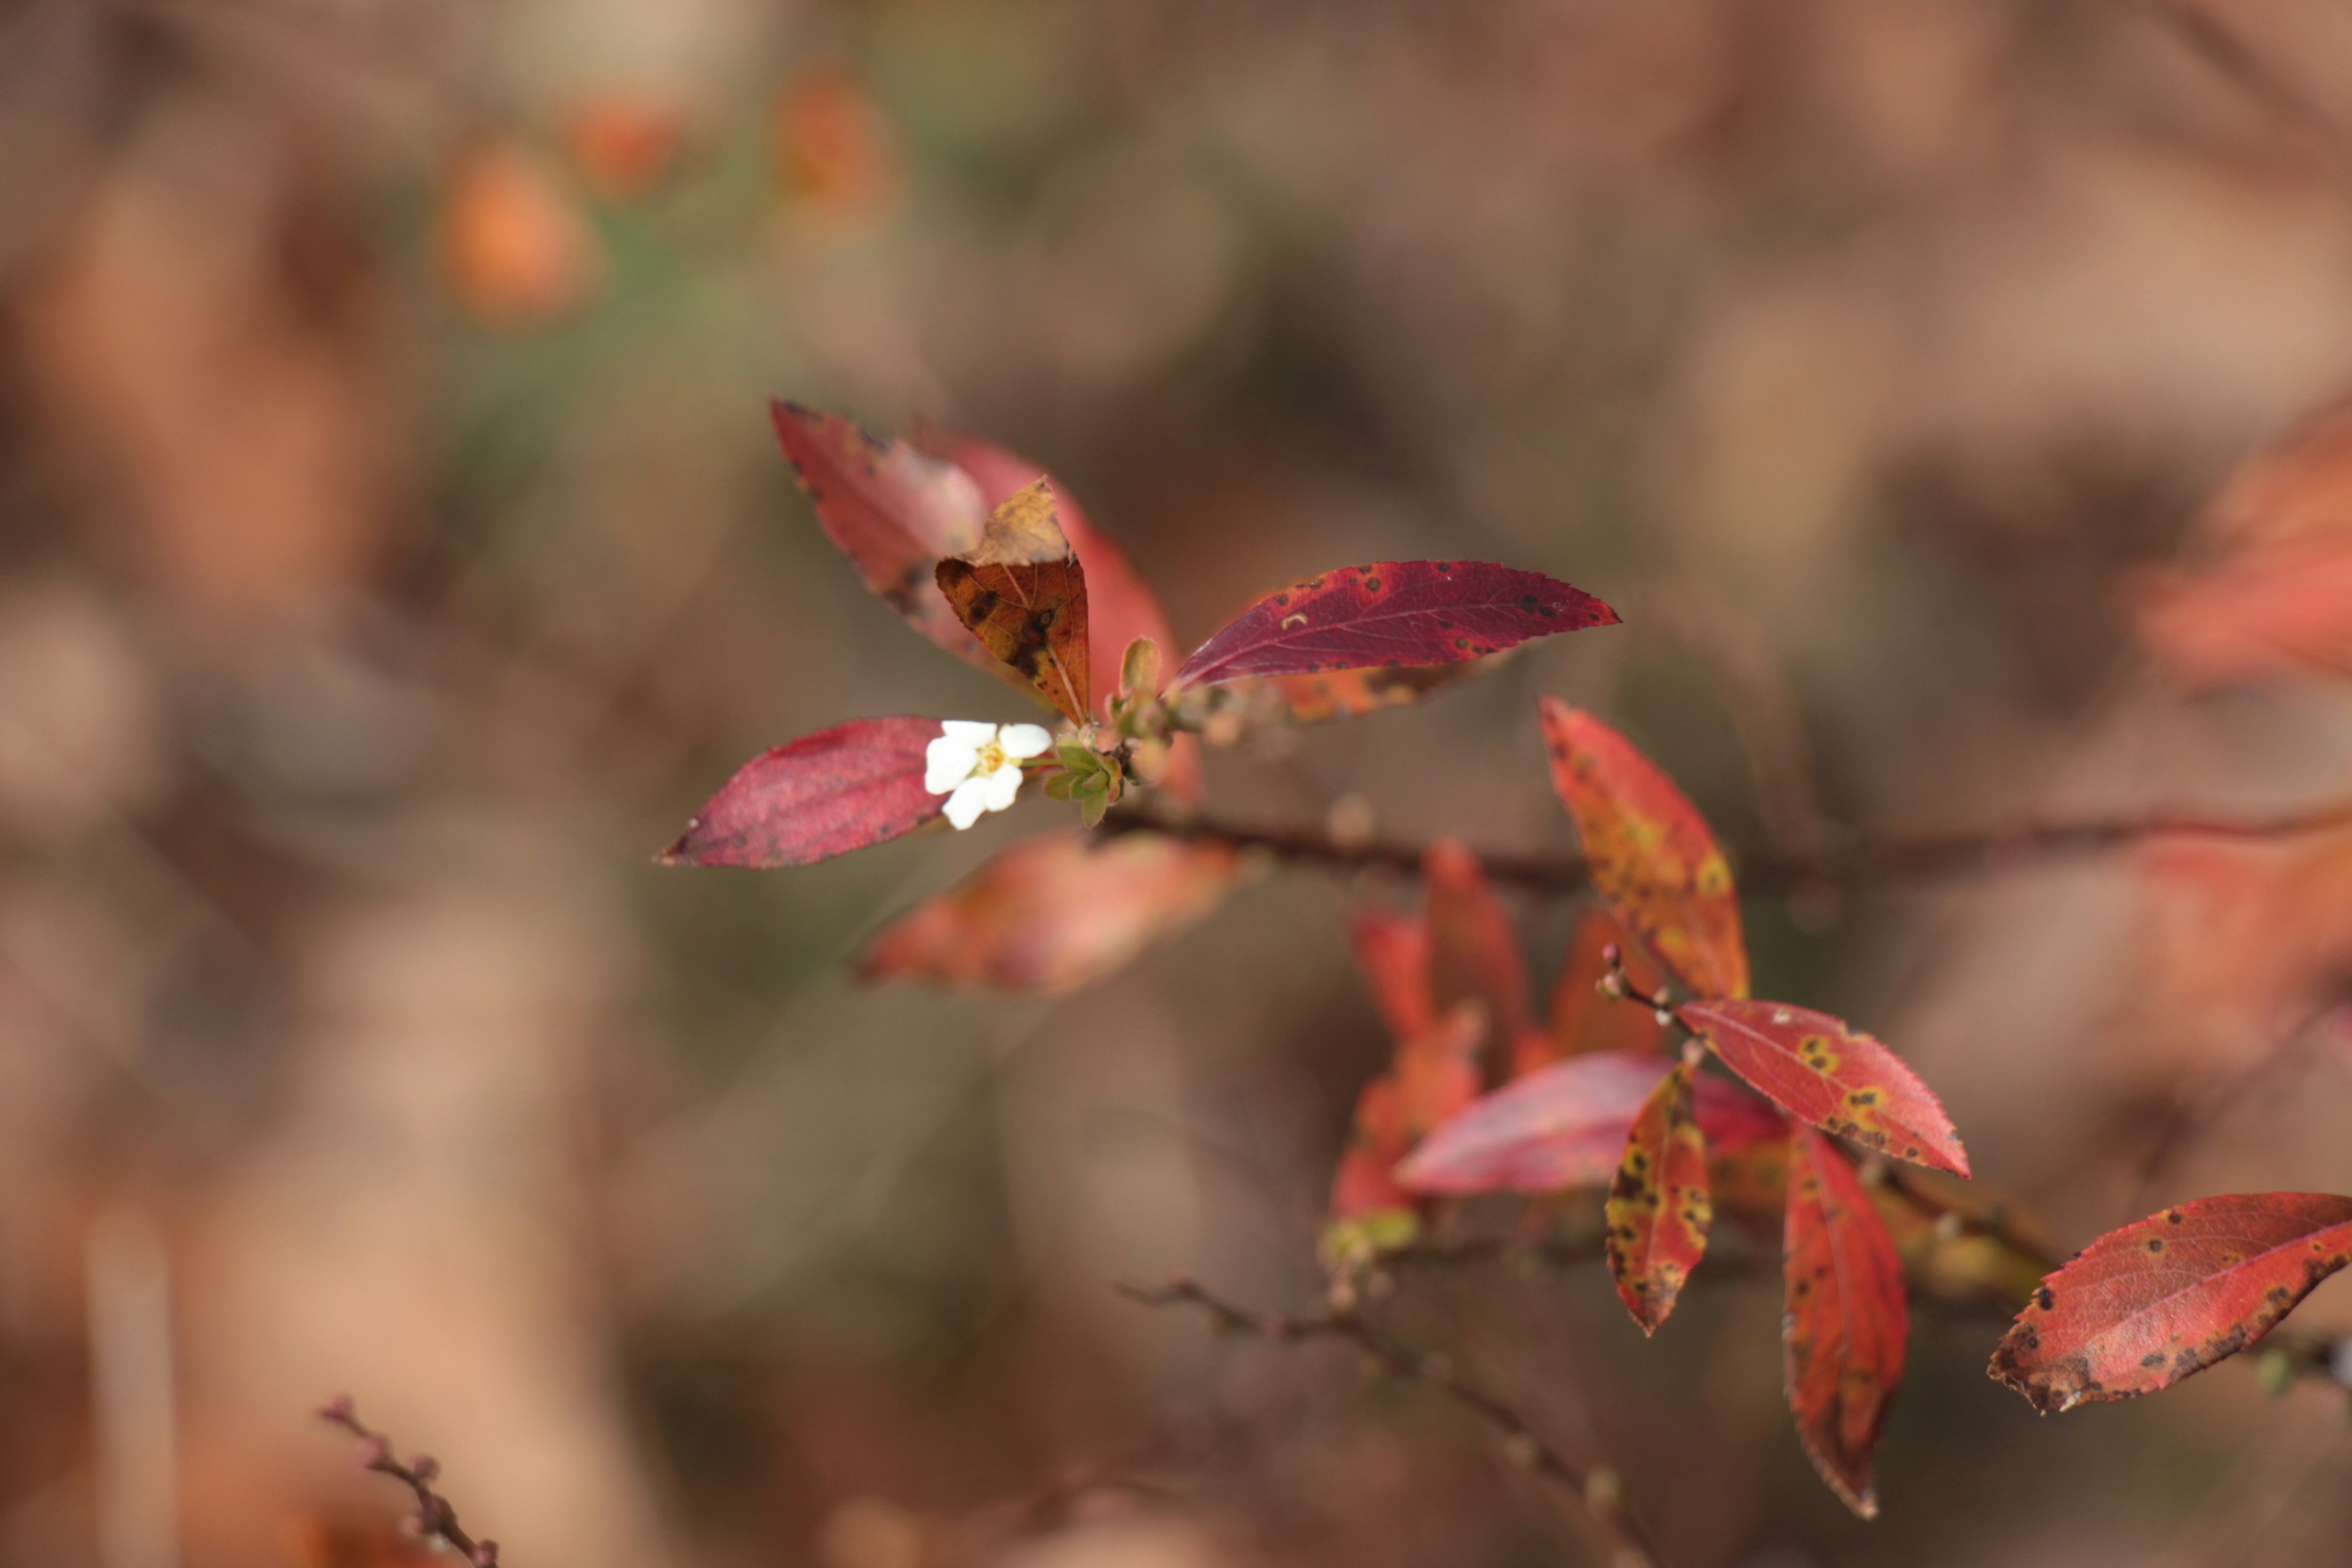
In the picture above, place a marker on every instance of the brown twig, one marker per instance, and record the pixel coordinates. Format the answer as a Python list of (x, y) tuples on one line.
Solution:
[(1864, 859), (436, 1518), (1597, 1487)]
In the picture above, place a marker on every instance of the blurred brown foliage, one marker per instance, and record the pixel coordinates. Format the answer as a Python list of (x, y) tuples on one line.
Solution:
[(395, 551)]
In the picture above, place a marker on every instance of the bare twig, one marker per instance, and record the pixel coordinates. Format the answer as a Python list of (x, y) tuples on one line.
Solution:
[(1864, 859), (436, 1518), (1597, 1487)]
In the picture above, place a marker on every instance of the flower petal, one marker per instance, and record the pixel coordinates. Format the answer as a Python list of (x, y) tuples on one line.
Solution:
[(972, 732), (1003, 785), (947, 762), (1024, 740), (968, 802)]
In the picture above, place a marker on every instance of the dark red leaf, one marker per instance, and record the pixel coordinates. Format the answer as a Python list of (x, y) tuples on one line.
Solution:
[(1055, 913), (1818, 1070), (1845, 1321), (1658, 1210), (894, 512), (1565, 1126), (1394, 613), (823, 794), (2143, 1307)]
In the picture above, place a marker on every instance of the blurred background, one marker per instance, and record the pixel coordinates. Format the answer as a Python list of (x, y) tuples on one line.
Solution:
[(393, 553)]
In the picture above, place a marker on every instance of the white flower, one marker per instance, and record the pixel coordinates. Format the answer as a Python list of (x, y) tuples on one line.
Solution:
[(978, 766)]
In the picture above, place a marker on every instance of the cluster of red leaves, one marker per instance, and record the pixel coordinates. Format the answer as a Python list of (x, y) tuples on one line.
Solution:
[(1594, 1101), (978, 552)]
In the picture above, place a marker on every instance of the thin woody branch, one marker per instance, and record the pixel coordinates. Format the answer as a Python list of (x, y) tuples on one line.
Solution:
[(1597, 1487), (436, 1518), (1862, 859)]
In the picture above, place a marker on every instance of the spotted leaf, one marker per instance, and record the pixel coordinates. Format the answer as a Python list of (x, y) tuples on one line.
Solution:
[(1024, 594), (1818, 1070), (1845, 1320), (1396, 614), (823, 794), (1565, 1126), (2143, 1307), (1659, 1210), (1652, 854)]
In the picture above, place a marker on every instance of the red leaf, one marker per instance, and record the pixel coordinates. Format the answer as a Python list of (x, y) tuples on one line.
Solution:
[(1658, 1210), (1818, 1071), (1584, 1020), (2143, 1307), (1473, 953), (1845, 1318), (894, 512), (823, 794), (1565, 1126), (1435, 1075), (1392, 951), (1394, 613), (1653, 857), (1053, 913), (1024, 594)]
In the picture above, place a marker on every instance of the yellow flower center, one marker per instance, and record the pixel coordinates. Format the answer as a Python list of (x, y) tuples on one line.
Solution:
[(990, 758)]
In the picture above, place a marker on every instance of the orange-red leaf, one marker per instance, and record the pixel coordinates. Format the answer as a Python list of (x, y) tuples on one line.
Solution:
[(1023, 594), (1565, 1126), (1435, 1075), (1818, 1070), (1331, 694), (1652, 854), (2280, 609), (1053, 913), (823, 794), (1393, 614), (1392, 951), (2143, 1307), (1364, 1183), (1473, 953), (1845, 1320), (893, 511), (1584, 1020), (1658, 1210)]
